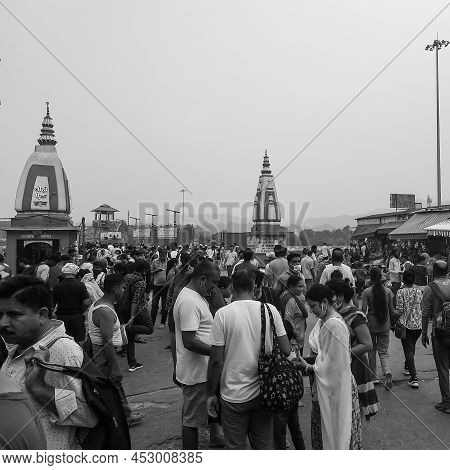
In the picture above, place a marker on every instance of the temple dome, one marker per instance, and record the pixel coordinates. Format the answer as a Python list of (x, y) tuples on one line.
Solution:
[(43, 186)]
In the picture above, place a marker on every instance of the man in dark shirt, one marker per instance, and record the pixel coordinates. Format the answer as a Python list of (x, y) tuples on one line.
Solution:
[(139, 320), (54, 274), (432, 307), (71, 299), (421, 271)]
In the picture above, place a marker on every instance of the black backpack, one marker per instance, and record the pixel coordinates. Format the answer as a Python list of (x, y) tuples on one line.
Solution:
[(102, 396), (123, 307), (442, 330)]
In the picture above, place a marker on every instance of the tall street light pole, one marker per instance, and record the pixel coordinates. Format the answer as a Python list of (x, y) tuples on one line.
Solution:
[(152, 216), (153, 237), (182, 215), (174, 222), (136, 220), (437, 46)]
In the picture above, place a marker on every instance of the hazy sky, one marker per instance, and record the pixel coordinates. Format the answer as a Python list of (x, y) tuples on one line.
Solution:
[(209, 85)]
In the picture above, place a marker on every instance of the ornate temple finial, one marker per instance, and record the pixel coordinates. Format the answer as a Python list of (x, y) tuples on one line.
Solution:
[(266, 164), (47, 136)]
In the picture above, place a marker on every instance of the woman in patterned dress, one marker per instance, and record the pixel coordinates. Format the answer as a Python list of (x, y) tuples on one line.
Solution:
[(360, 345), (409, 301), (335, 416)]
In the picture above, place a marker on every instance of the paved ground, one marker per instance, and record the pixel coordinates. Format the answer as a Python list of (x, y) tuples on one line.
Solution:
[(408, 419)]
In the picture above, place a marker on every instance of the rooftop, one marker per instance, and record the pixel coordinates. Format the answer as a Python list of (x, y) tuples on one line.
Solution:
[(386, 214), (104, 208)]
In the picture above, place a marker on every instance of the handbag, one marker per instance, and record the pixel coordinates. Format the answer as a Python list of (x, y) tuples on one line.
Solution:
[(280, 383), (400, 331), (123, 334)]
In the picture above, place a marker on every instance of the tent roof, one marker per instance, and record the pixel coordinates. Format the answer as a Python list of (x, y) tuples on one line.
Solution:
[(365, 231), (439, 230), (415, 227)]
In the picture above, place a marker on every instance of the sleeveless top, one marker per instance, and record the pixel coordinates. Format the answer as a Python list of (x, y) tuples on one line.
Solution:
[(94, 331)]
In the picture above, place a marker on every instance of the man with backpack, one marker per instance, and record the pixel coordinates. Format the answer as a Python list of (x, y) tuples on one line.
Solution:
[(25, 322), (105, 335), (134, 312), (436, 306)]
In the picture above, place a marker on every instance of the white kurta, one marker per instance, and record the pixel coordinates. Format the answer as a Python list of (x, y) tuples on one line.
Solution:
[(333, 378)]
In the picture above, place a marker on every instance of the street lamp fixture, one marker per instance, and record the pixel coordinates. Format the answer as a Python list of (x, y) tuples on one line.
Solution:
[(136, 221), (174, 216), (152, 216), (436, 47)]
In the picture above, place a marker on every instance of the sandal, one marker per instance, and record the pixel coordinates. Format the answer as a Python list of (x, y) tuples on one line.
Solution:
[(388, 381), (442, 407), (414, 383)]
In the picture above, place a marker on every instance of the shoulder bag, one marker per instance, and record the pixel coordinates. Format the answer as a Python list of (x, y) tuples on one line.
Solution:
[(280, 383)]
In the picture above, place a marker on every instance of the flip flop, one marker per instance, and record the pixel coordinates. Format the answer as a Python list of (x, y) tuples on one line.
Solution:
[(140, 340), (443, 408)]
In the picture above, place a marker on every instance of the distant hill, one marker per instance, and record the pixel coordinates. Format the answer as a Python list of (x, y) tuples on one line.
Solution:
[(337, 222), (329, 223)]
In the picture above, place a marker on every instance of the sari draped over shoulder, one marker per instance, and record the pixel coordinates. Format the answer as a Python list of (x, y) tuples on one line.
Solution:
[(333, 380)]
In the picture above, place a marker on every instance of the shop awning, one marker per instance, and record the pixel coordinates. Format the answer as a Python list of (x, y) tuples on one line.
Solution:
[(388, 228), (415, 227), (439, 230), (365, 231)]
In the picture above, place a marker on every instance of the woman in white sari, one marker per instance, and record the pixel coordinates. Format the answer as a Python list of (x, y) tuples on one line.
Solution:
[(335, 416)]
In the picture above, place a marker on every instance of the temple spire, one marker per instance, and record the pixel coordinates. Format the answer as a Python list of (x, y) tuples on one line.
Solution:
[(47, 136), (266, 165)]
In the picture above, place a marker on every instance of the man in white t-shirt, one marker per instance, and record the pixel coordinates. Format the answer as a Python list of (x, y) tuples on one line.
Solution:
[(325, 251), (230, 258), (193, 321), (42, 270), (236, 344), (308, 271), (337, 260)]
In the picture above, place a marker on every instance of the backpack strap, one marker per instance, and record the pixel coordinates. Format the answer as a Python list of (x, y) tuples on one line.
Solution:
[(53, 341), (297, 301), (437, 292), (263, 330)]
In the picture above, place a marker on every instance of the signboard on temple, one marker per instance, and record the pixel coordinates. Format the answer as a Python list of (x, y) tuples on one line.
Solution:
[(40, 199), (403, 201)]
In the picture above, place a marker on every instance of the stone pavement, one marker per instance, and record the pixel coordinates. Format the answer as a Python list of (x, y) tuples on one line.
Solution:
[(408, 419)]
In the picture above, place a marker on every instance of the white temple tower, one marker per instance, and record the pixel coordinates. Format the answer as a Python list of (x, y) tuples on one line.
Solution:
[(266, 231), (42, 224)]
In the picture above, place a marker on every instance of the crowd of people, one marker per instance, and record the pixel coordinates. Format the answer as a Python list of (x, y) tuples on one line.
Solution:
[(213, 301)]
